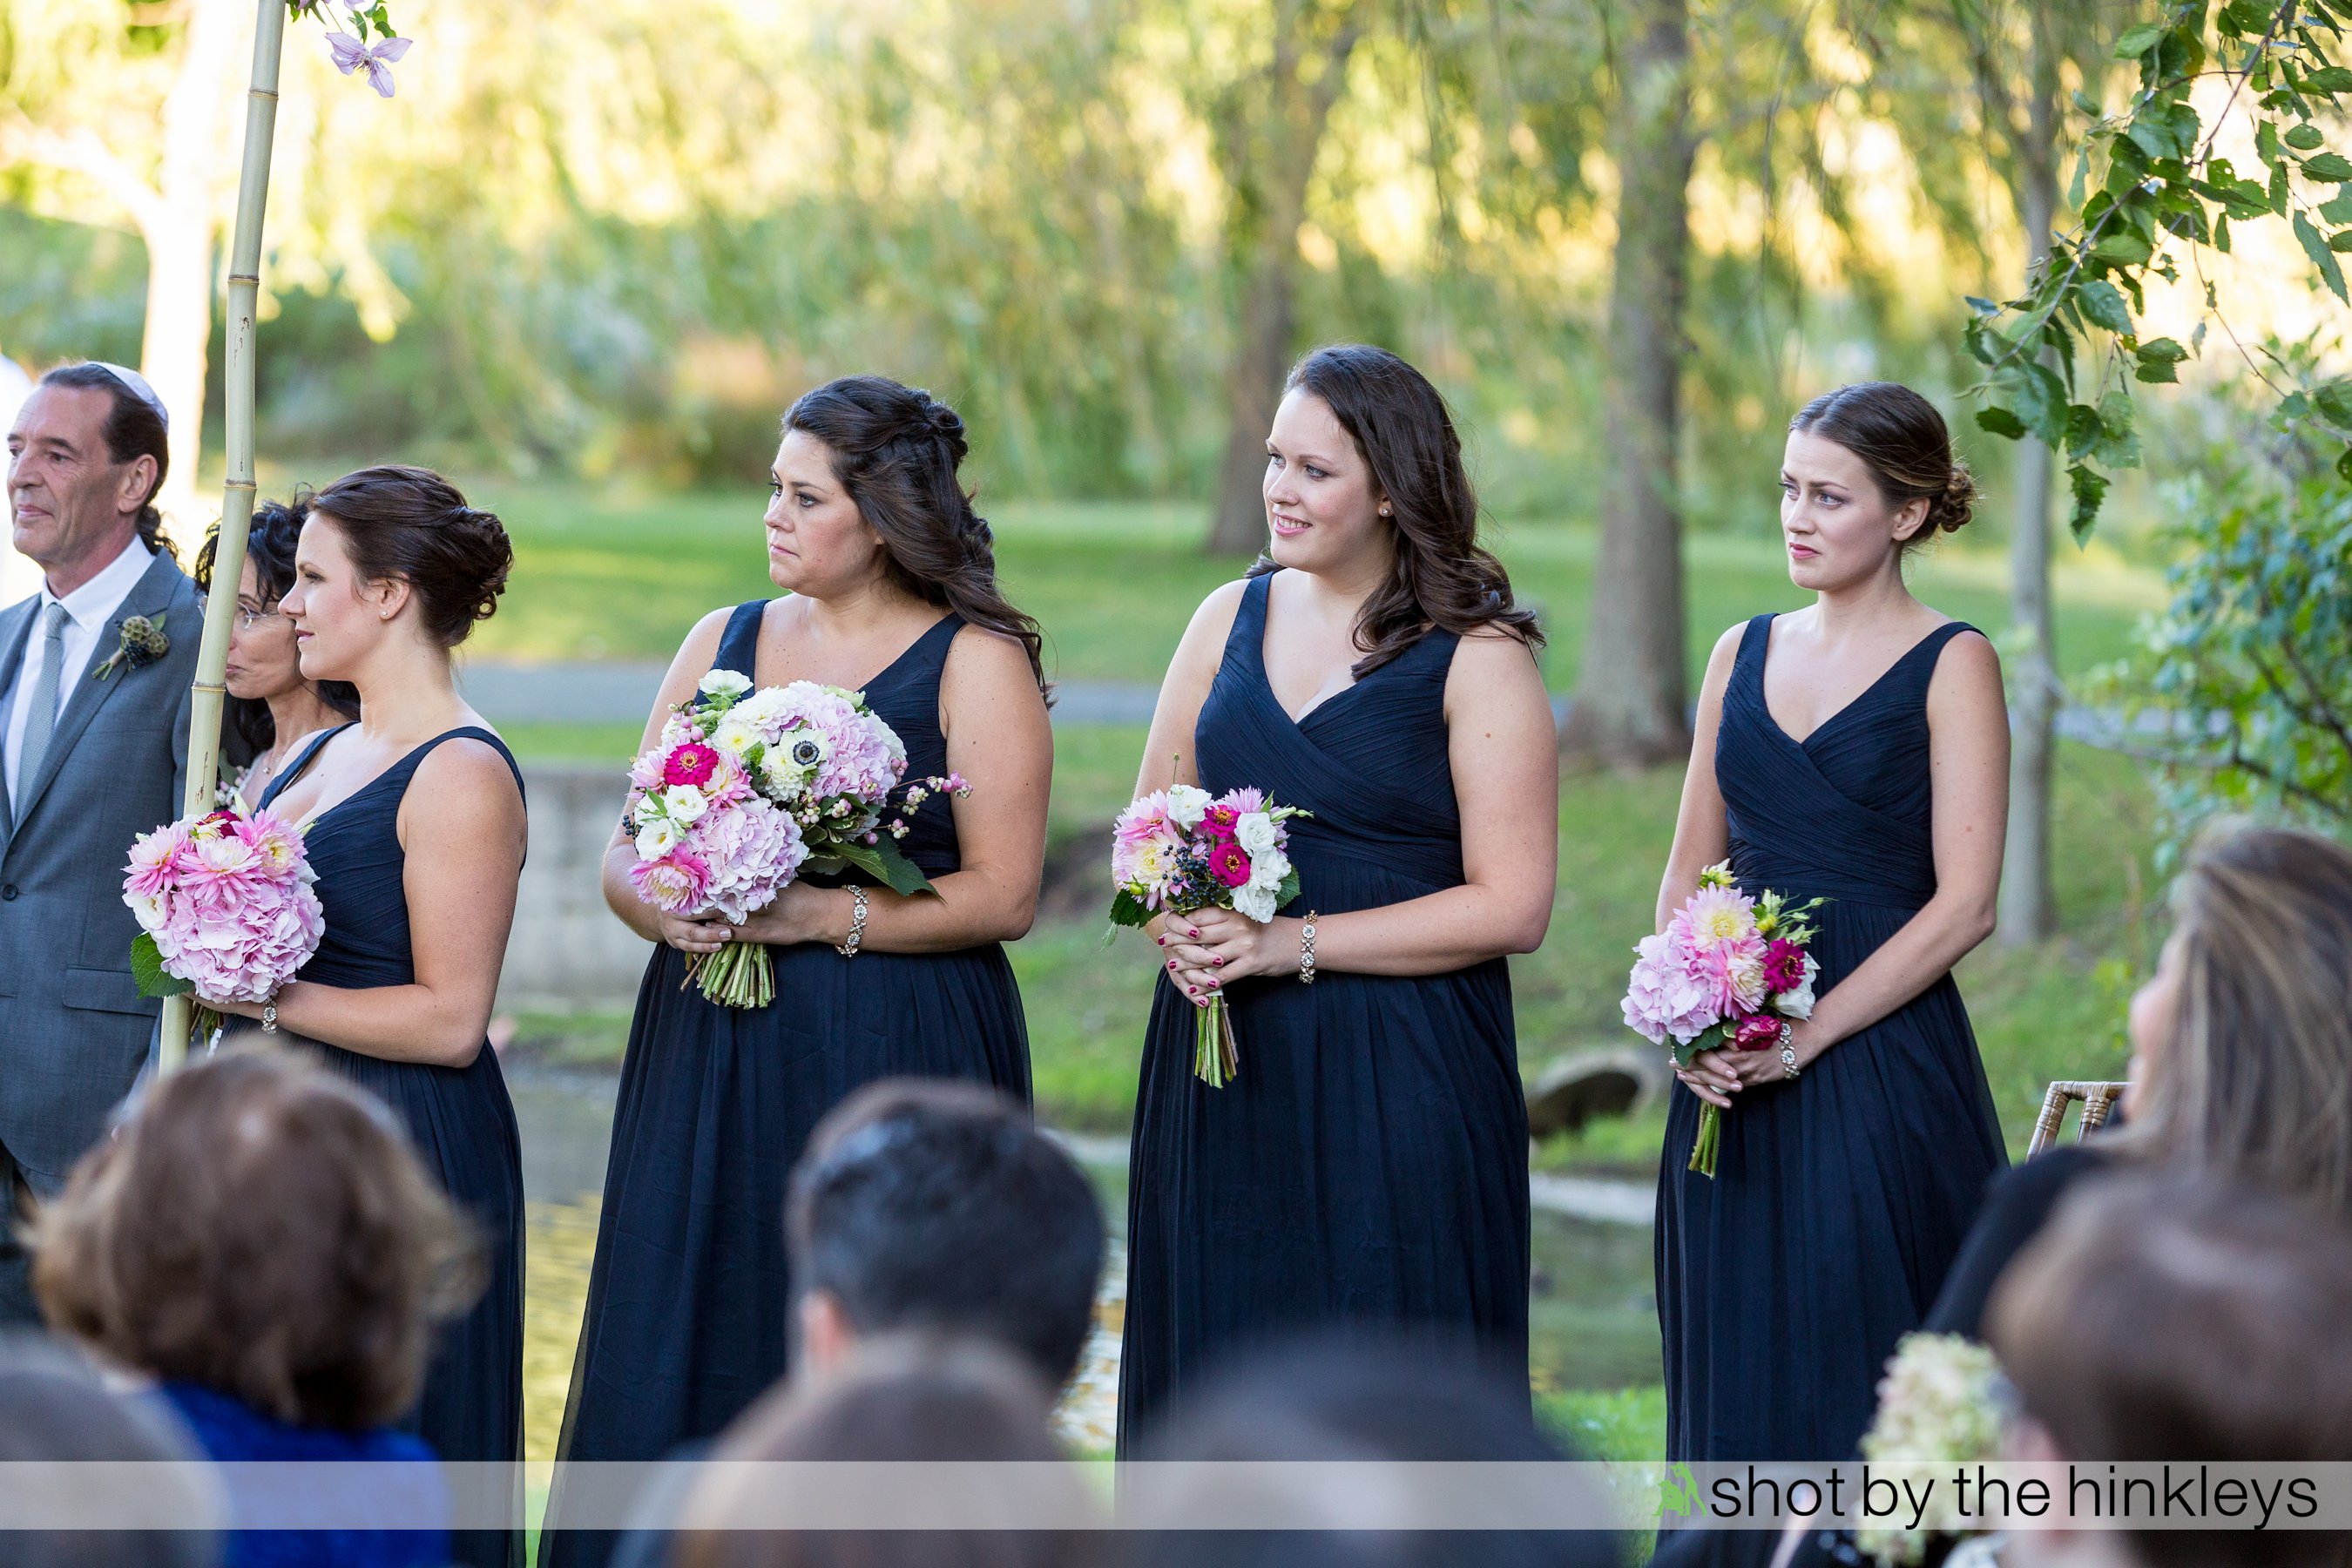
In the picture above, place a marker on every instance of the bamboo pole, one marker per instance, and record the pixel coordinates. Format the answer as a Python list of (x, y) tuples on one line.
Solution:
[(236, 500)]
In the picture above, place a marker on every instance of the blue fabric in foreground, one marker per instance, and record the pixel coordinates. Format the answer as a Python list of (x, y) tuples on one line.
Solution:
[(231, 1432)]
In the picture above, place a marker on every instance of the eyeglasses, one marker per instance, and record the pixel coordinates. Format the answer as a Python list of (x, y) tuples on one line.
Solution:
[(248, 619)]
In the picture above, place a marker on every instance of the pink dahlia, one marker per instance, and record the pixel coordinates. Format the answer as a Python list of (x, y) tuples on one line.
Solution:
[(677, 882)]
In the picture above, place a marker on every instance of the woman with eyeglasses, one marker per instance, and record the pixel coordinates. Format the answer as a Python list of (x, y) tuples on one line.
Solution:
[(273, 710)]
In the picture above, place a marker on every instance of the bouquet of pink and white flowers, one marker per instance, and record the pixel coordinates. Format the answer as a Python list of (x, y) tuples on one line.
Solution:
[(1177, 850), (1728, 970), (746, 790), (225, 907)]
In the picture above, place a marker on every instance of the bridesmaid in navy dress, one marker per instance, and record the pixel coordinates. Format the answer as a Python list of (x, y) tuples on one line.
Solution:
[(1368, 1163), (414, 827), (1856, 751), (892, 591)]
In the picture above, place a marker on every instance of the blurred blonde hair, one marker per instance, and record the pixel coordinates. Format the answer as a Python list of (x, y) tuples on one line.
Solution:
[(2256, 1079)]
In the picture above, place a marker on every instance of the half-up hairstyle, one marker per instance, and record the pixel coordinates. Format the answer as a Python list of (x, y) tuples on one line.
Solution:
[(895, 449), (1442, 579), (413, 525), (276, 530), (133, 430), (1904, 443)]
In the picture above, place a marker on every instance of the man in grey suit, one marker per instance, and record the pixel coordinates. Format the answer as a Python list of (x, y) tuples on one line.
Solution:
[(93, 752)]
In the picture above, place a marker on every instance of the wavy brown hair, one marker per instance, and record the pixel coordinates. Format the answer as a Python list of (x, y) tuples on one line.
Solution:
[(1443, 580), (2256, 1084), (261, 1228), (895, 449)]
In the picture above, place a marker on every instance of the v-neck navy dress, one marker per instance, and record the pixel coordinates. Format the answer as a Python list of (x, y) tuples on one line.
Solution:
[(1368, 1163), (1839, 1200), (459, 1119), (690, 1300)]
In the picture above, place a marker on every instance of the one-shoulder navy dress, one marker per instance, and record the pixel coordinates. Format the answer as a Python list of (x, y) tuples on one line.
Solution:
[(1839, 1200), (690, 1300), (459, 1119), (1369, 1162)]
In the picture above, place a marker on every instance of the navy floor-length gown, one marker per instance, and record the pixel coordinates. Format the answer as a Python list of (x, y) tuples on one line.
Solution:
[(689, 1299), (1839, 1200), (1368, 1163), (459, 1119)]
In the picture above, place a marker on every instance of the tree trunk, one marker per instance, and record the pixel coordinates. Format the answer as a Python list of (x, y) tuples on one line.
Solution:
[(1632, 693), (2028, 910), (179, 234), (1270, 189)]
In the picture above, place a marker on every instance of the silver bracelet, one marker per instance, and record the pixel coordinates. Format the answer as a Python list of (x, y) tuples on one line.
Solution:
[(856, 924), (1307, 950), (1788, 1049), (270, 1016)]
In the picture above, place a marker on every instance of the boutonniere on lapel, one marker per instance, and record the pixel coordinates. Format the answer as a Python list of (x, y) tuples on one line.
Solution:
[(142, 643)]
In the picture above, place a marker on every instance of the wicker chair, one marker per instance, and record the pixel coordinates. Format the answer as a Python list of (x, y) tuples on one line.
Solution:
[(2098, 1098)]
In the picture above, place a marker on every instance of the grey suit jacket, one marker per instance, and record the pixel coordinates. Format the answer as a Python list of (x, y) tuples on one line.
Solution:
[(73, 1028)]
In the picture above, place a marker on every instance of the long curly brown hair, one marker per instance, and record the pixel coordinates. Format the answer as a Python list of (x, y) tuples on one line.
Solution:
[(1443, 580), (895, 449)]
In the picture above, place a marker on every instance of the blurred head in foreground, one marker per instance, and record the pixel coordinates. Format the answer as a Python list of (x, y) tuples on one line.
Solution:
[(939, 1208), (54, 1408), (258, 1228), (892, 1401), (2242, 1042), (2163, 1320), (1369, 1397)]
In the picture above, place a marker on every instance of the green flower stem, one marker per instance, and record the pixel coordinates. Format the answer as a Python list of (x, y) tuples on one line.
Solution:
[(1216, 1057), (1703, 1147), (738, 975)]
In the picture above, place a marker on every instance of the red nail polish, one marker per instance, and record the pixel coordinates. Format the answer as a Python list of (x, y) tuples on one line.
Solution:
[(1194, 990), (1218, 963)]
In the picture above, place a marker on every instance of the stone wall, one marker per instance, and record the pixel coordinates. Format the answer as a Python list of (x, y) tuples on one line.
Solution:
[(569, 953)]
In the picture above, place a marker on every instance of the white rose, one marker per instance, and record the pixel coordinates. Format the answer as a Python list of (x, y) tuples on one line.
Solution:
[(684, 804), (1187, 805), (1255, 902), (1255, 833), (1268, 868), (1799, 1003), (723, 683), (657, 839)]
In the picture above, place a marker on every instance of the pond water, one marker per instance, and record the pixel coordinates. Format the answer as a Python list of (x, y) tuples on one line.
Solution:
[(1594, 1322)]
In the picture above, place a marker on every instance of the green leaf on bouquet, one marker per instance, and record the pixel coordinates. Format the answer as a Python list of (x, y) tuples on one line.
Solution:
[(1288, 890), (1126, 910), (1710, 1038), (147, 969), (883, 859)]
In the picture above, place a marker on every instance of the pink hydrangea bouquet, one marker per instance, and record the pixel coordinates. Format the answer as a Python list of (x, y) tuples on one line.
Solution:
[(745, 791), (226, 908), (1728, 970), (1177, 850)]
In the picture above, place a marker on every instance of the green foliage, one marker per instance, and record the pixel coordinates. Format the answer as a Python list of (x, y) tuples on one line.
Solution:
[(2164, 197), (2244, 683), (147, 969)]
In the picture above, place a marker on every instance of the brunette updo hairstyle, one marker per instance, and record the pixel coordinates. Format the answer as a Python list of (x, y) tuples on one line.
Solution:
[(276, 530), (1904, 443), (410, 523), (1442, 579), (896, 450)]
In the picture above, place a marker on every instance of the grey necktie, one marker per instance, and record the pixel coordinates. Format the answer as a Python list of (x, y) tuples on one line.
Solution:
[(42, 721)]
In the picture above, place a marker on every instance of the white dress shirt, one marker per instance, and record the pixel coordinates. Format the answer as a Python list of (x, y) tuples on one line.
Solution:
[(88, 608)]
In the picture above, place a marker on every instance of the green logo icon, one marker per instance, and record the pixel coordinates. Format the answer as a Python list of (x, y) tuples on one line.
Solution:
[(1677, 1492)]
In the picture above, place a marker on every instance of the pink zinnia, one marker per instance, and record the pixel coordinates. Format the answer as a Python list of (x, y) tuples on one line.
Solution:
[(1784, 966), (1228, 865), (1756, 1032), (1220, 821), (692, 763)]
